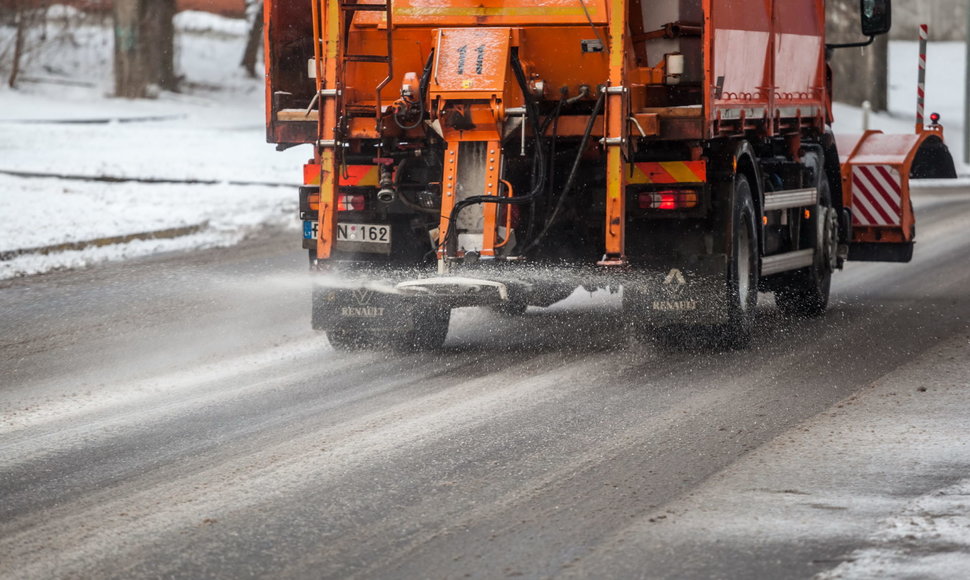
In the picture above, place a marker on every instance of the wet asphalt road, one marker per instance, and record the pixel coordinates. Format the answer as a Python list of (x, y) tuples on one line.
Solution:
[(175, 417)]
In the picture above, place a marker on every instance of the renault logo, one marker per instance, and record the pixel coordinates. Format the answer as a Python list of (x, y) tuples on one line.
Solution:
[(675, 281), (363, 296)]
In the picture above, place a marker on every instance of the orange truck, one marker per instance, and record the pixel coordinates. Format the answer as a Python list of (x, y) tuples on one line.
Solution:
[(501, 153)]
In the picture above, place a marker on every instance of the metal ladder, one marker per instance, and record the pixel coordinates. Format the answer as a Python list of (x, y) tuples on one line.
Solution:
[(331, 24), (348, 9)]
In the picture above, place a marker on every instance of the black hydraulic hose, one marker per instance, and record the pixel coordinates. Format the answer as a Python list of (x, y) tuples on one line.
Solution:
[(555, 134), (554, 120), (532, 113), (550, 181), (426, 74), (572, 173)]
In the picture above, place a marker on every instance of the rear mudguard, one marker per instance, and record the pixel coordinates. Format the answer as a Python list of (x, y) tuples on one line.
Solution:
[(690, 294), (382, 305)]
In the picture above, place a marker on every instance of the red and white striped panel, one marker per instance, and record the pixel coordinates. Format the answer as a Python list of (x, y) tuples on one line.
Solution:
[(877, 192)]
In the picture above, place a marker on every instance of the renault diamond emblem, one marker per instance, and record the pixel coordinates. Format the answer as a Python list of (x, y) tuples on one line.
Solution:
[(675, 281), (363, 296)]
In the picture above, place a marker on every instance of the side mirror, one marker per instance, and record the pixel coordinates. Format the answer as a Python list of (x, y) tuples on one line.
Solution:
[(877, 17)]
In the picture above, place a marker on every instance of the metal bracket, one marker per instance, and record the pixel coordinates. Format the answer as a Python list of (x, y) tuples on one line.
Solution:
[(637, 124)]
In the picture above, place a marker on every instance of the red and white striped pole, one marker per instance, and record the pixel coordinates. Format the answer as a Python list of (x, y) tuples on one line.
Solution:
[(924, 33)]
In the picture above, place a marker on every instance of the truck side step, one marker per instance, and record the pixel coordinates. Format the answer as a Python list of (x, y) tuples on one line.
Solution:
[(790, 198), (788, 261)]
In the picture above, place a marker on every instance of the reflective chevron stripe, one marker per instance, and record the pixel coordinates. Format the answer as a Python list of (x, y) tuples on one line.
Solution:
[(877, 192), (350, 175), (359, 175), (669, 172)]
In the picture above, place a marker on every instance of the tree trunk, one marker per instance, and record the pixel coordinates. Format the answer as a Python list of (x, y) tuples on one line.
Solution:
[(18, 48), (160, 29), (144, 47), (254, 14)]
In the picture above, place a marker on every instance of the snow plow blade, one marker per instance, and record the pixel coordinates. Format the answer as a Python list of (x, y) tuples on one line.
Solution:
[(876, 169)]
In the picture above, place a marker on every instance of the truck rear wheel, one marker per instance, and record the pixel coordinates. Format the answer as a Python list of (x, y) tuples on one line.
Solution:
[(742, 276), (349, 338), (806, 292), (428, 330)]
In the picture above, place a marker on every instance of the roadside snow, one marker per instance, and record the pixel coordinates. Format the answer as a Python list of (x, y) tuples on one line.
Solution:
[(53, 211), (206, 22), (60, 122), (929, 538), (30, 264)]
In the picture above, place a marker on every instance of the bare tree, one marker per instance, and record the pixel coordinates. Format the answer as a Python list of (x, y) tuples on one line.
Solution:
[(20, 16), (144, 47), (254, 15), (25, 14)]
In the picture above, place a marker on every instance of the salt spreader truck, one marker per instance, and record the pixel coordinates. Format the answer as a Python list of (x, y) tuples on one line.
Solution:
[(501, 153)]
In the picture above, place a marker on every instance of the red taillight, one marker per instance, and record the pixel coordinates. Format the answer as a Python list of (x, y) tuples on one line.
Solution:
[(668, 200), (351, 202)]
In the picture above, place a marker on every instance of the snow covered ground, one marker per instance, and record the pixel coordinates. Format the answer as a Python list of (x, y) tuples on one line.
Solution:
[(61, 122), (213, 132)]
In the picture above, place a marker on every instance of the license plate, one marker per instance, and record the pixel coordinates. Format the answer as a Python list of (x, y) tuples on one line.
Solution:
[(366, 233)]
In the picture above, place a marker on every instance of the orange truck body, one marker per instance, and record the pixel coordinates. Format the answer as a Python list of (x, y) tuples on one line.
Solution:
[(655, 109)]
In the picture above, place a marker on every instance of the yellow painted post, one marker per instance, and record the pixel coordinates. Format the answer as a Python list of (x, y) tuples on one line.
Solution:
[(616, 136), (328, 95)]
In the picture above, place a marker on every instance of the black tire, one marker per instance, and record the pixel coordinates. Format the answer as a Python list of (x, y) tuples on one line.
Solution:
[(743, 269), (429, 332), (635, 312), (805, 293), (515, 306), (347, 338)]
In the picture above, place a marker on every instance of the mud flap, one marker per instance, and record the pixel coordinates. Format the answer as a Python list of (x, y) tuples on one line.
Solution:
[(688, 295), (382, 307), (362, 307)]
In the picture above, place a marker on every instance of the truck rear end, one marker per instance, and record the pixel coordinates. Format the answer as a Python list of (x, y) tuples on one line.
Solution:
[(502, 153)]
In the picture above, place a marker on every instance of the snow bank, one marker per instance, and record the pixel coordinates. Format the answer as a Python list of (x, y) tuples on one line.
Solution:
[(53, 211), (206, 22), (930, 538), (60, 122)]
